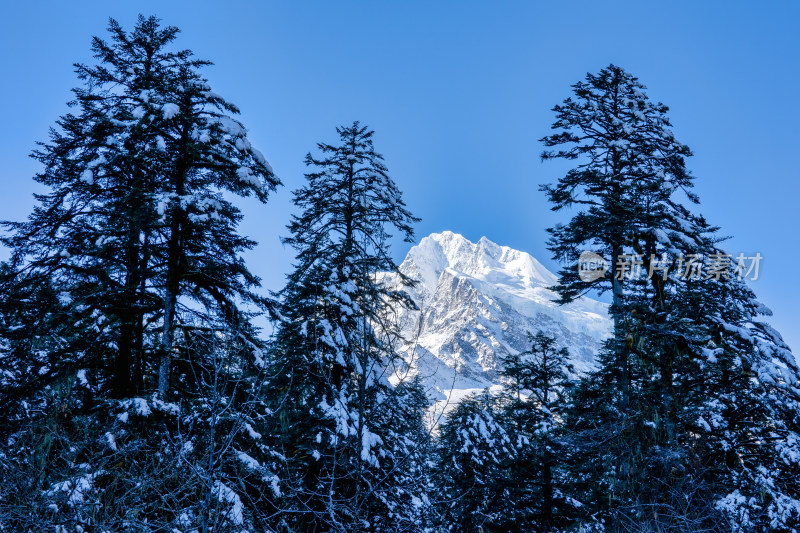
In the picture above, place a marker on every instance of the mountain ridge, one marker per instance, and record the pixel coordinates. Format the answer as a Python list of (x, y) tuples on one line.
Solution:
[(476, 304)]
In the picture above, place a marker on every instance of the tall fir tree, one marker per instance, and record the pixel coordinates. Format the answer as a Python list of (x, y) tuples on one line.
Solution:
[(498, 458), (472, 479), (688, 343), (348, 435), (126, 280), (537, 384)]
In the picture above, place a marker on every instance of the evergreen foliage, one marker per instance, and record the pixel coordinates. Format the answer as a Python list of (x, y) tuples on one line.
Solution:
[(127, 306), (349, 436), (538, 381), (138, 394), (696, 398), (473, 489)]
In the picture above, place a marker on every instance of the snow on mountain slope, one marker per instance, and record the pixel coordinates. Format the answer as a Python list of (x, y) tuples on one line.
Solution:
[(477, 302)]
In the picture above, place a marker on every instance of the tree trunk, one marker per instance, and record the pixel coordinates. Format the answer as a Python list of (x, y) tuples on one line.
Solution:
[(623, 371), (170, 301), (138, 355), (126, 309), (122, 362), (166, 344), (174, 263), (547, 493)]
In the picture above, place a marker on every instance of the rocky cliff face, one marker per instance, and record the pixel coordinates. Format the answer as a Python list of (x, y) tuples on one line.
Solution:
[(477, 302)]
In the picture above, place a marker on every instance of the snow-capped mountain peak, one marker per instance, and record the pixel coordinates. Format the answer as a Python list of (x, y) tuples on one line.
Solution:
[(483, 260), (477, 303)]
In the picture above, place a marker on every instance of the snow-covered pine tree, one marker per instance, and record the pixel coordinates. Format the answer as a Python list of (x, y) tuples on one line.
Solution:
[(537, 382), (724, 396), (627, 159), (687, 347), (136, 214), (127, 268), (472, 479), (497, 464), (347, 434), (628, 167)]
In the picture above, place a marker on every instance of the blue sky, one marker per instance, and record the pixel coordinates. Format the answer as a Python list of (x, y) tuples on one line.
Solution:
[(459, 94)]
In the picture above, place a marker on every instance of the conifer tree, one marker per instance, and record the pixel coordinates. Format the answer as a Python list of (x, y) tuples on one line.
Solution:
[(136, 216), (123, 282), (472, 478), (687, 346), (537, 386), (499, 456), (344, 428), (628, 167)]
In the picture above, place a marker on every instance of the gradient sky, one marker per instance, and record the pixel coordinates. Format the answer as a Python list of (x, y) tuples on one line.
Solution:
[(459, 94)]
